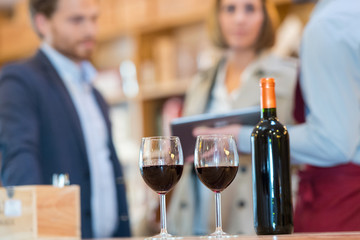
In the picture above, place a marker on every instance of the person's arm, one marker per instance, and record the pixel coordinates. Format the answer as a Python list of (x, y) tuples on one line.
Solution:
[(244, 139), (329, 67), (242, 134), (19, 133)]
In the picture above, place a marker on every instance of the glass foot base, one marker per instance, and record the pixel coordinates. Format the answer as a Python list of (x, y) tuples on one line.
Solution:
[(220, 234), (163, 236)]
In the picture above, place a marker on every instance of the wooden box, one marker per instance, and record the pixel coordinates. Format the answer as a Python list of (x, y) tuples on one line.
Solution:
[(40, 212)]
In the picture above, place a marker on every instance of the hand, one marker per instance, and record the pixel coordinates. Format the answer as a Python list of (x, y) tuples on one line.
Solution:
[(233, 129)]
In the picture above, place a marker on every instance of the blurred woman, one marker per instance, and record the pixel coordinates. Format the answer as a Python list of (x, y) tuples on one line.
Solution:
[(244, 30)]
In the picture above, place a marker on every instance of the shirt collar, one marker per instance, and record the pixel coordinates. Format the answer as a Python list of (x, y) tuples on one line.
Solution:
[(67, 69)]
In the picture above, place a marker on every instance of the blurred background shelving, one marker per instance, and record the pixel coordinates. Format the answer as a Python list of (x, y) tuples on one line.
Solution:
[(167, 43)]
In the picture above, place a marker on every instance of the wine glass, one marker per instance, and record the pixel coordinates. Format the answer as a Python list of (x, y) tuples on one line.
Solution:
[(216, 162), (161, 165)]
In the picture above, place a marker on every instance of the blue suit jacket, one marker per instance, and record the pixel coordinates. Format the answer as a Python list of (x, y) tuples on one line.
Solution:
[(40, 134)]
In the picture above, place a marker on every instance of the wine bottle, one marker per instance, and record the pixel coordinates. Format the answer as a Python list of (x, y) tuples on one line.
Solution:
[(271, 168)]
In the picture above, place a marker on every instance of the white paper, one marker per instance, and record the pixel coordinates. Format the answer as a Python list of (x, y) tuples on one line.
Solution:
[(12, 208)]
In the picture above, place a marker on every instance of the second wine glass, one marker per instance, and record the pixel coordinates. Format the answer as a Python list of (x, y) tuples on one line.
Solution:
[(216, 162)]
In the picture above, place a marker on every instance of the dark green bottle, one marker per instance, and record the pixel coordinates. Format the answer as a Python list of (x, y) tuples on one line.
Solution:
[(271, 168)]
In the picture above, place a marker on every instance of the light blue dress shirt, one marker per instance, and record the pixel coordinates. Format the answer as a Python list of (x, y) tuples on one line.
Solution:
[(77, 79), (330, 83)]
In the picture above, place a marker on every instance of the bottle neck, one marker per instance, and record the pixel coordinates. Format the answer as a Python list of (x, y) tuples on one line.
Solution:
[(268, 113), (268, 101)]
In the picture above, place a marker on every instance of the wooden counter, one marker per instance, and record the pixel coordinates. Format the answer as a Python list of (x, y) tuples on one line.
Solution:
[(313, 236)]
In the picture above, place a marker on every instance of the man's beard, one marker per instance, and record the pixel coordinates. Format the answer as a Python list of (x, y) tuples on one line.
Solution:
[(74, 51)]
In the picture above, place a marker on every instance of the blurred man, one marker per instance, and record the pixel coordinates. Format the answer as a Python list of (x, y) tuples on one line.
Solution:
[(53, 121)]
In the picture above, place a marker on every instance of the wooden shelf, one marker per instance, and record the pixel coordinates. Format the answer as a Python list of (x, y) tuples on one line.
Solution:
[(164, 90), (154, 91), (281, 1), (17, 38), (118, 17), (197, 14)]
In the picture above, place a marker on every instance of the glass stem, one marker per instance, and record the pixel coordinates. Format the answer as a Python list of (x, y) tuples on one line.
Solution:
[(218, 212), (163, 214)]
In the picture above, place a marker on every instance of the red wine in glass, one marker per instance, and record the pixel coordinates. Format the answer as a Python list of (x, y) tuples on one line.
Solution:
[(161, 178), (217, 178)]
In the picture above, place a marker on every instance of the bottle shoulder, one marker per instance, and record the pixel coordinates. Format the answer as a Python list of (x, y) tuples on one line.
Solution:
[(270, 126)]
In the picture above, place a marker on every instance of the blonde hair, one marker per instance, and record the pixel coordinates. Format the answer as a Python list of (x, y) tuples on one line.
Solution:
[(266, 38)]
